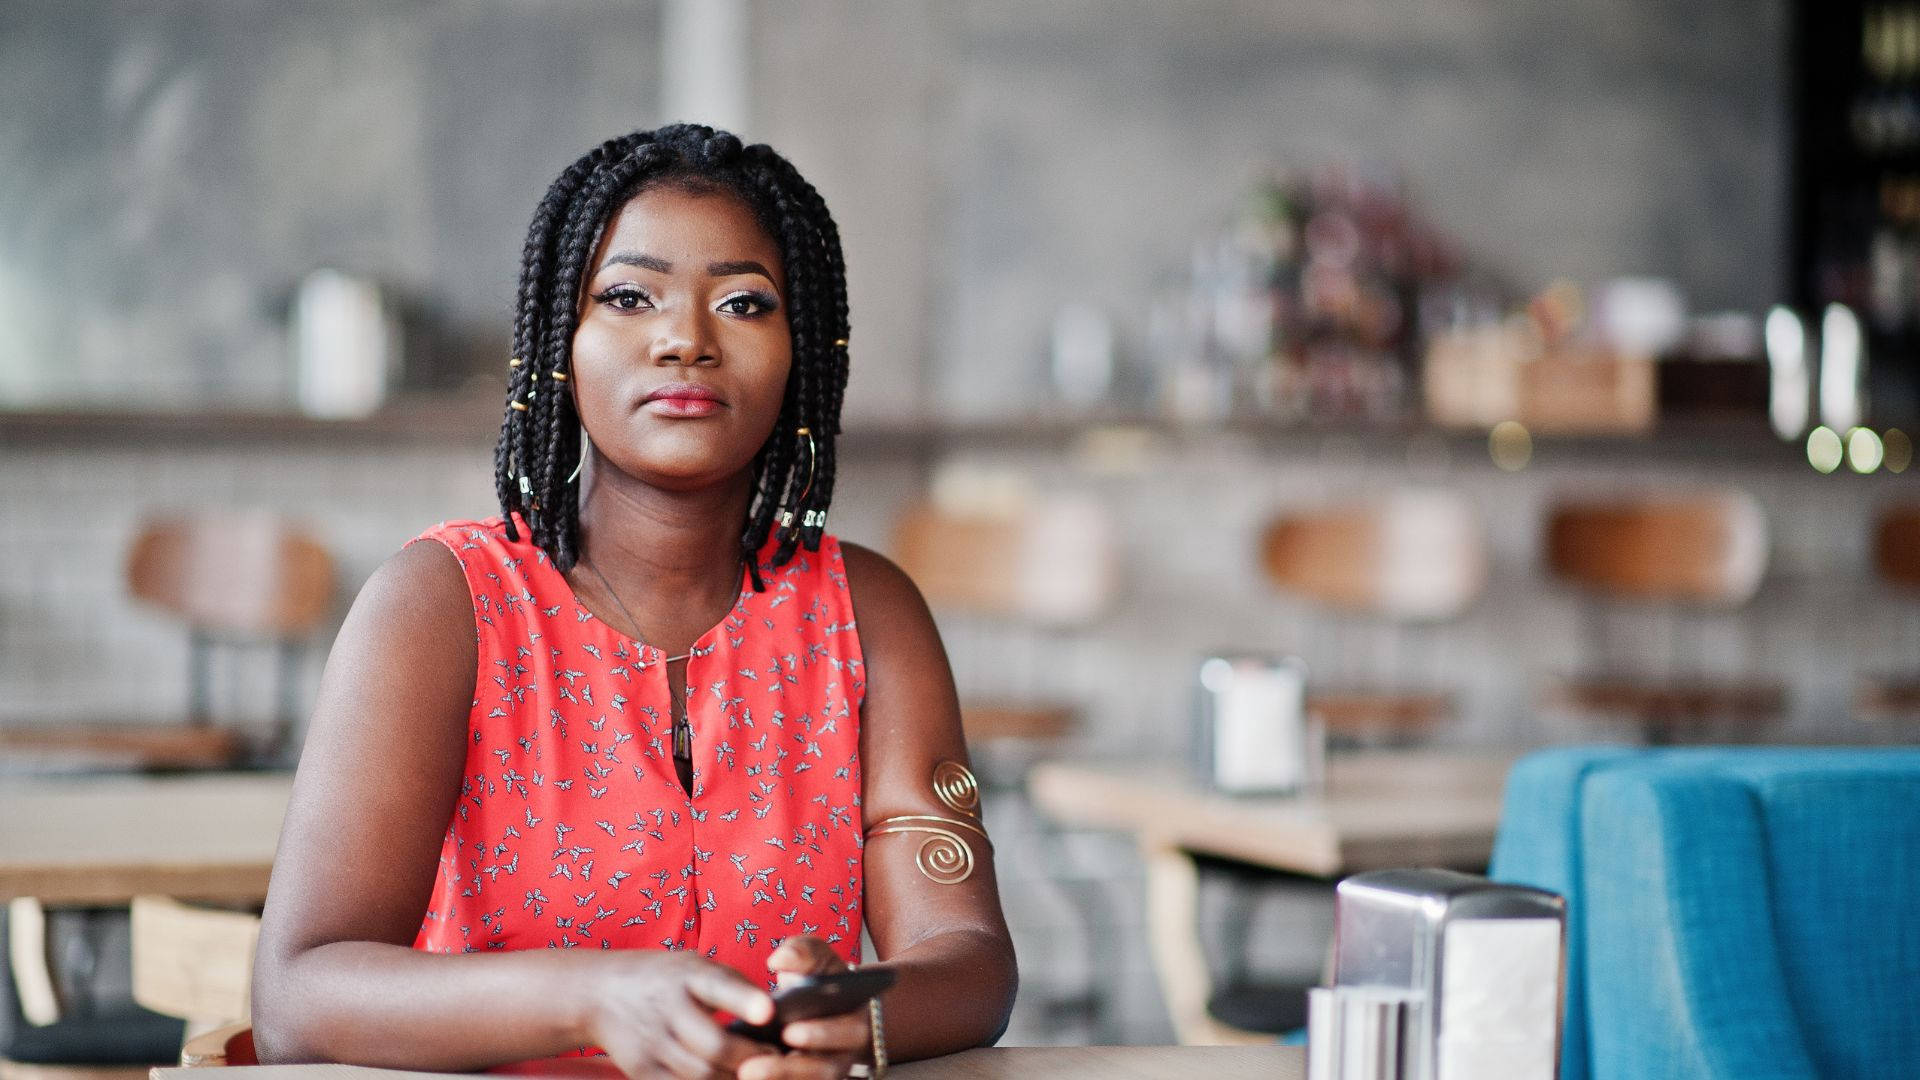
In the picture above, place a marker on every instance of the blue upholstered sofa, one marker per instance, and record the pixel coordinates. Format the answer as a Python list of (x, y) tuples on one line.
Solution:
[(1733, 913)]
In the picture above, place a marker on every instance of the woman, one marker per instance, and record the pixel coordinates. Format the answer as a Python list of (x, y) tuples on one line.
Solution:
[(598, 772)]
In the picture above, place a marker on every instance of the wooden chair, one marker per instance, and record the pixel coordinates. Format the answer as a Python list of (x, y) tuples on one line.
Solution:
[(1407, 559), (1048, 566), (1687, 555), (233, 580), (1885, 699), (196, 964)]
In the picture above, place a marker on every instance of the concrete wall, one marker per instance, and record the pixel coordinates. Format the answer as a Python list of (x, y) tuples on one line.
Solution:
[(171, 173), (1074, 150)]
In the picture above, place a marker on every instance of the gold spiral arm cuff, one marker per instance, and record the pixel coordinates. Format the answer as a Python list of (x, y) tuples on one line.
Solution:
[(945, 856), (955, 786)]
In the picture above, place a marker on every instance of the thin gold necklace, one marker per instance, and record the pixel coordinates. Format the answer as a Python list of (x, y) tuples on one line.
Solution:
[(676, 702)]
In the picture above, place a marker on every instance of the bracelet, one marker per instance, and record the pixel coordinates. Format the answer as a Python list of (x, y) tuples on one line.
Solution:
[(879, 1067)]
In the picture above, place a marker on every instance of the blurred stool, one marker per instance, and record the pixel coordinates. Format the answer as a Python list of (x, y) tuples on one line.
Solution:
[(236, 581), (1024, 567), (1889, 703), (1685, 556), (1393, 564)]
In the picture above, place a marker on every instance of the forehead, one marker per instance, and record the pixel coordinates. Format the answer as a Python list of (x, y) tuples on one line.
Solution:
[(690, 228)]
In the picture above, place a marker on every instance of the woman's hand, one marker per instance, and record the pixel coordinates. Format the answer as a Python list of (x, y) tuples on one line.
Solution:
[(823, 1049), (653, 1015)]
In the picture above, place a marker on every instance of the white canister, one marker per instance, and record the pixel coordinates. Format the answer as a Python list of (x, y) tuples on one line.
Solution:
[(1253, 736), (344, 346)]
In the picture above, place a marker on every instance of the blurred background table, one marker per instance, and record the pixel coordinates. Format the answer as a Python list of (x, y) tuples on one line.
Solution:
[(1376, 810), (106, 839)]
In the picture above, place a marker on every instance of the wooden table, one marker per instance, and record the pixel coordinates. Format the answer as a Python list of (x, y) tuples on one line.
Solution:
[(107, 839), (1001, 1063), (1377, 810)]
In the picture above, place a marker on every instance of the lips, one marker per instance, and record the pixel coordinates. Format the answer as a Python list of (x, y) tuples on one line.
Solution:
[(683, 399)]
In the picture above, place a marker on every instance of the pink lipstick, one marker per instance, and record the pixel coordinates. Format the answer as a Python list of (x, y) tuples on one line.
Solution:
[(683, 400)]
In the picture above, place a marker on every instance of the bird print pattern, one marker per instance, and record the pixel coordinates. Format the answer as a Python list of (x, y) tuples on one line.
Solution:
[(572, 829)]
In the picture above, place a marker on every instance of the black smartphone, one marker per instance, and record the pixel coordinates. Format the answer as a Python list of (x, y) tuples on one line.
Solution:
[(810, 997)]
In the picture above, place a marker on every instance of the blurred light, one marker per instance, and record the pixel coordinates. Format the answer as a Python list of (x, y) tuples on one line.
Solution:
[(1787, 359), (1864, 452), (1511, 445), (1823, 449), (1216, 675), (1899, 450), (1840, 365)]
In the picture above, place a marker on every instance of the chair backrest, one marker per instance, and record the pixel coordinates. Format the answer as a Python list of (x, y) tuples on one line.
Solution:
[(1408, 556), (1707, 549), (1896, 546), (1733, 912), (1053, 561), (194, 963), (252, 574)]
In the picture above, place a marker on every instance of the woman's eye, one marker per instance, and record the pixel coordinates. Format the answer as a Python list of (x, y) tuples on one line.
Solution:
[(748, 304), (625, 298)]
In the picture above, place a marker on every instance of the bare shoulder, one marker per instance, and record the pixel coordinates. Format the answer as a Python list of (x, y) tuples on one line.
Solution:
[(886, 603), (424, 579), (407, 652)]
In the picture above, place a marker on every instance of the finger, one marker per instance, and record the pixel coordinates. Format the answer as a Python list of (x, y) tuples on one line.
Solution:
[(762, 1067), (720, 1048), (805, 955), (842, 1033), (798, 1067), (724, 988), (680, 1060), (697, 1031), (630, 1058)]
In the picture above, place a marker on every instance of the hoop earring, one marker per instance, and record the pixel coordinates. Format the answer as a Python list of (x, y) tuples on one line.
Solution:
[(812, 517), (585, 445)]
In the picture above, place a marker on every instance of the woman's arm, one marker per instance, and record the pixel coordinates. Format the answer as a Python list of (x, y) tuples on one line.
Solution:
[(336, 978), (948, 943)]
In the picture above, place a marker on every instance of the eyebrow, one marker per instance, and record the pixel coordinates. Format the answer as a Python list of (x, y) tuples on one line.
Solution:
[(659, 265)]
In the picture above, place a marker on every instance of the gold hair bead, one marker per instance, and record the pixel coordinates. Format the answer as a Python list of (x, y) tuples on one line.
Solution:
[(558, 376), (842, 342), (513, 362), (521, 405), (803, 431)]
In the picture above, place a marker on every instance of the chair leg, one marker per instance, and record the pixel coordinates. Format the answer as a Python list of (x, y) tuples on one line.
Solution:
[(1173, 938)]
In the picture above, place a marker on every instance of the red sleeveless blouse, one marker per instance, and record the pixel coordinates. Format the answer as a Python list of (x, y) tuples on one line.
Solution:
[(572, 828)]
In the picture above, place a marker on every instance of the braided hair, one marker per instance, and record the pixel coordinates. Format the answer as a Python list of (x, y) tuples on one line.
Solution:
[(540, 436)]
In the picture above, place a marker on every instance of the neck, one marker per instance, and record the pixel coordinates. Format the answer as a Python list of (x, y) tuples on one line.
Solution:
[(664, 551)]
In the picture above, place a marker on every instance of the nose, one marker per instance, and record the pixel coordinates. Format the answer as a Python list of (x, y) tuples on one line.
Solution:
[(685, 337)]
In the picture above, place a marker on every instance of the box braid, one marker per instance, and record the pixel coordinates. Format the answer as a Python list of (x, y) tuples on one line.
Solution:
[(540, 436)]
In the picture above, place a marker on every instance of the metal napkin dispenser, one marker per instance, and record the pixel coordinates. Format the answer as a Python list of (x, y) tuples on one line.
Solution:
[(1440, 976)]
